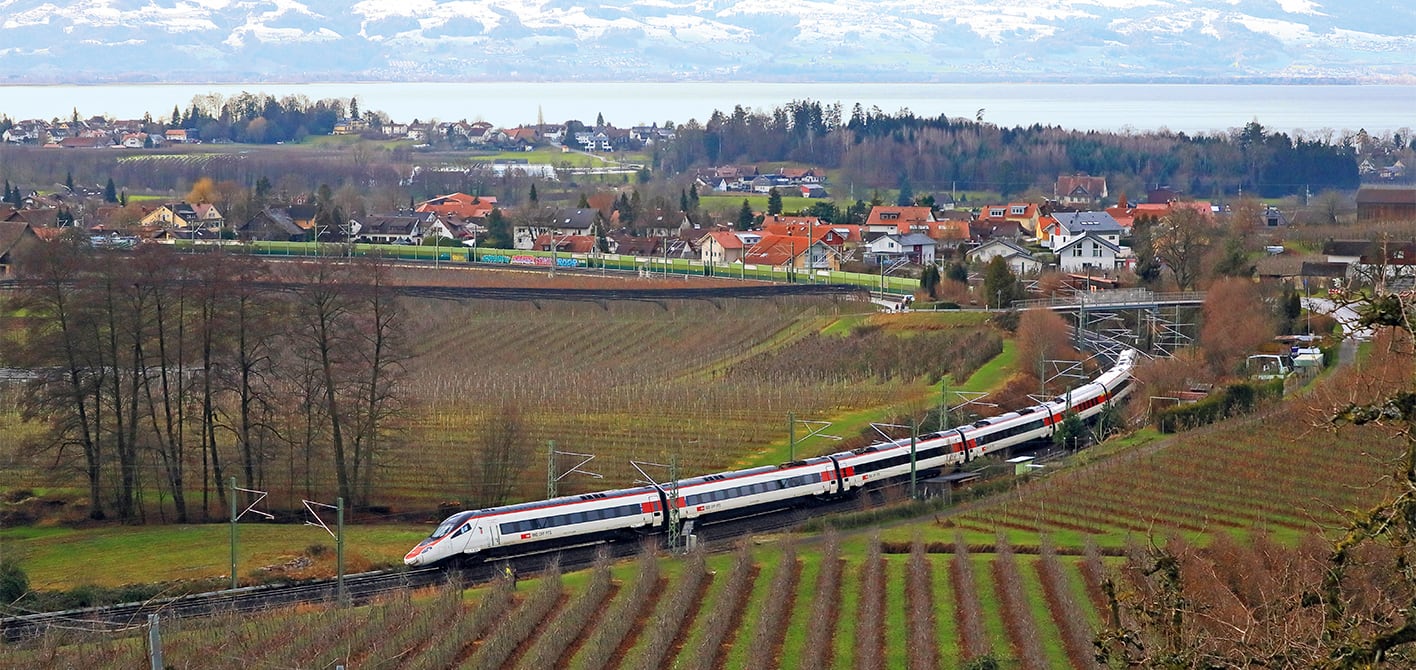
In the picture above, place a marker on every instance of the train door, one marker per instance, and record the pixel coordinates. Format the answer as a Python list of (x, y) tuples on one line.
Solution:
[(493, 532)]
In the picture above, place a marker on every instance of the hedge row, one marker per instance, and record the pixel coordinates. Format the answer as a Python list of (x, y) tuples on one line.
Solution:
[(1232, 400)]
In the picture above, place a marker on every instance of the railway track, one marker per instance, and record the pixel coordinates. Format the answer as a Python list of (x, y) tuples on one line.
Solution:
[(365, 587)]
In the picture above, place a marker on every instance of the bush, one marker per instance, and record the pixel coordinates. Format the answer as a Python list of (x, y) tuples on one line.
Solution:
[(1233, 400), (14, 583)]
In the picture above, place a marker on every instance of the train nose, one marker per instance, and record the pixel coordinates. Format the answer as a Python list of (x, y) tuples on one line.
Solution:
[(415, 557)]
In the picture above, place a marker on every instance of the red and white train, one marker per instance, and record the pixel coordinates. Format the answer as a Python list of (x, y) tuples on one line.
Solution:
[(594, 517)]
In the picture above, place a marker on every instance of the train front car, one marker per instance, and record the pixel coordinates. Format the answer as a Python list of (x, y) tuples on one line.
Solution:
[(452, 537)]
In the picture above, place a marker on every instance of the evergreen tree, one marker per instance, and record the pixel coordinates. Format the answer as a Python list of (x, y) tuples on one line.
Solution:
[(693, 198), (498, 231), (683, 200), (1235, 261), (176, 117), (1071, 433), (69, 181), (600, 120), (123, 199), (535, 200), (745, 216), (929, 280), (584, 202), (110, 191), (774, 202), (958, 273), (1000, 285), (906, 197)]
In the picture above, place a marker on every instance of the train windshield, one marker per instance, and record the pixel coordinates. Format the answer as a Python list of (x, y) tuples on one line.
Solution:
[(446, 526)]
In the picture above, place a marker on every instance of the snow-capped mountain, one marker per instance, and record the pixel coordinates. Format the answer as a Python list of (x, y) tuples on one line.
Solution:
[(836, 40)]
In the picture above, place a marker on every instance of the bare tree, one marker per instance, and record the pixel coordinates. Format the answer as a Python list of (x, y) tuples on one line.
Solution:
[(60, 346), (498, 455), (1180, 240)]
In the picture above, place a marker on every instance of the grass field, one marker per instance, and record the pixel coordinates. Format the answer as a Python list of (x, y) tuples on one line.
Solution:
[(729, 203)]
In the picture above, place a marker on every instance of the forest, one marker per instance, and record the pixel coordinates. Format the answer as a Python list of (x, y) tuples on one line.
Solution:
[(874, 149)]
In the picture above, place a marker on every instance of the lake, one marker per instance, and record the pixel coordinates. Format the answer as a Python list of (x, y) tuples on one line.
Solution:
[(1192, 108)]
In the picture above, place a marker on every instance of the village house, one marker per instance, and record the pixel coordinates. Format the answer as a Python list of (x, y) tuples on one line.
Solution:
[(726, 247), (391, 228), (182, 215), (1068, 226), (272, 224), (1088, 252), (1079, 190), (15, 238), (792, 251), (559, 224), (1026, 215), (567, 244), (915, 248), (461, 205), (899, 220), (1374, 260), (1020, 261)]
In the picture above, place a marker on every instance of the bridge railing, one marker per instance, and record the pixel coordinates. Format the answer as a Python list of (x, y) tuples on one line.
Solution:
[(1125, 296)]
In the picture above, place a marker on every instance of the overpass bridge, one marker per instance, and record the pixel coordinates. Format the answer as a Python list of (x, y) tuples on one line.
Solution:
[(1136, 318)]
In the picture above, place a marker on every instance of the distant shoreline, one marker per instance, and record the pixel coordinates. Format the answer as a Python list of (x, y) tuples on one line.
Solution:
[(1313, 108)]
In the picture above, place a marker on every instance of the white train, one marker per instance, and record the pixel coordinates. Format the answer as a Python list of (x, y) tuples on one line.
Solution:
[(597, 517)]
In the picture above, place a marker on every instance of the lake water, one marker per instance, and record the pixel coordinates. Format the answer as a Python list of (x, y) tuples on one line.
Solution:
[(1190, 108)]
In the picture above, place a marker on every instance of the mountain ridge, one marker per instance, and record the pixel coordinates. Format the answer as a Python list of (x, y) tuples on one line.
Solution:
[(1180, 41)]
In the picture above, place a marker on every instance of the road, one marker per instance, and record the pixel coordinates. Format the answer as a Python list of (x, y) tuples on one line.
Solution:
[(1345, 315)]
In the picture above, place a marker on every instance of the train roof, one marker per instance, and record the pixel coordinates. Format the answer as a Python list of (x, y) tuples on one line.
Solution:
[(564, 500), (766, 469)]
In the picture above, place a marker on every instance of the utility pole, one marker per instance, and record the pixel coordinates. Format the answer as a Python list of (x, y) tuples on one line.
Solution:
[(235, 516), (232, 489), (338, 536), (791, 436), (944, 404), (675, 531), (154, 643), (550, 469), (339, 551)]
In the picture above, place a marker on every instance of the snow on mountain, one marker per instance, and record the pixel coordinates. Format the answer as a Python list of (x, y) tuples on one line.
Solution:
[(841, 40)]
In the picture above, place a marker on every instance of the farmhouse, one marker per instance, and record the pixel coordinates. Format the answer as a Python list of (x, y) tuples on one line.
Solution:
[(273, 225), (15, 238), (1386, 203)]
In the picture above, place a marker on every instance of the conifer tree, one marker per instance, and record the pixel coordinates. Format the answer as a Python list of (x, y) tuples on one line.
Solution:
[(774, 202)]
